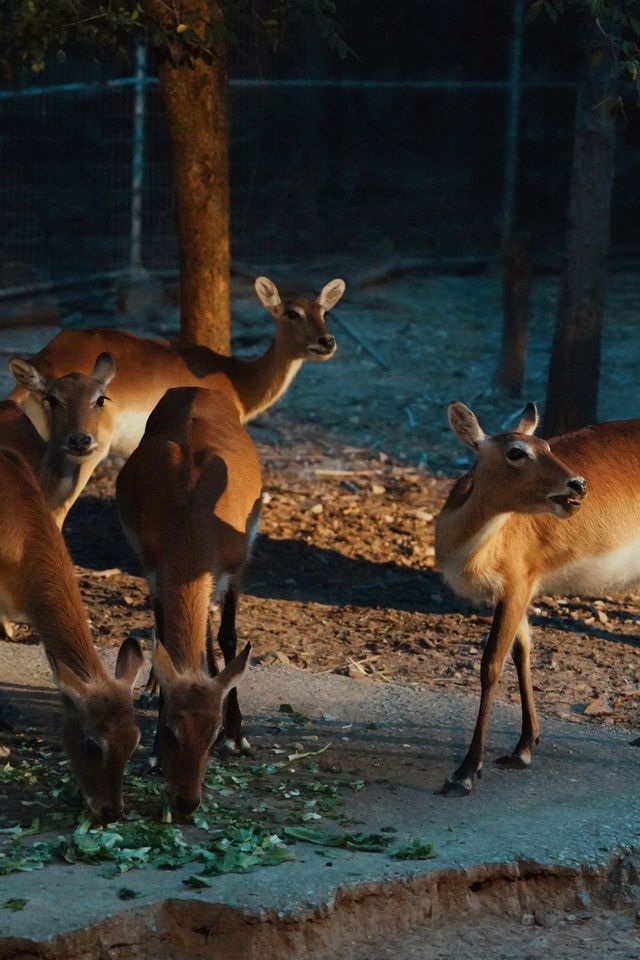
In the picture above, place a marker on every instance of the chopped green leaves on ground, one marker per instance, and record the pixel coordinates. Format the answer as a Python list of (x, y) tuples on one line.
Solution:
[(416, 850), (366, 842), (16, 903), (251, 815)]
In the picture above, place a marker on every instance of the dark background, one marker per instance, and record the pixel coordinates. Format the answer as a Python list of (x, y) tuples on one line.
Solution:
[(318, 172)]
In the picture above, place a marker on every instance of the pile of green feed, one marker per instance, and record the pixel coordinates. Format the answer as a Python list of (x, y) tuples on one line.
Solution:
[(251, 815)]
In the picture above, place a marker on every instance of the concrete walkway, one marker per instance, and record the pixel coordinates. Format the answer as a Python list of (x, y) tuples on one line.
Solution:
[(560, 822)]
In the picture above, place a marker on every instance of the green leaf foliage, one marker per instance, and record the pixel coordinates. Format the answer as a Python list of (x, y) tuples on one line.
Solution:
[(37, 32), (618, 23)]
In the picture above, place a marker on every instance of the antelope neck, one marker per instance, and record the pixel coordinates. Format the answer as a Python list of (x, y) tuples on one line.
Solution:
[(262, 380)]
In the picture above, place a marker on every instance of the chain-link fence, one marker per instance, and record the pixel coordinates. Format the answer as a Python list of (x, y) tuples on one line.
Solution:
[(329, 165)]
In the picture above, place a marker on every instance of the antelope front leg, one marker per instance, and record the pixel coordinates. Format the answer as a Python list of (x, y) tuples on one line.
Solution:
[(506, 619), (520, 759), (228, 641), (151, 691)]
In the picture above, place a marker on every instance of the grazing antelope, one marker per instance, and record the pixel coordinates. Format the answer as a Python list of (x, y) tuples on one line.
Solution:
[(147, 368), (518, 524), (78, 423), (189, 499), (37, 584)]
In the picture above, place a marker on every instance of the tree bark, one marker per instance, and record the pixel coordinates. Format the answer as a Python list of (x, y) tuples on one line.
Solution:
[(572, 393), (516, 279), (194, 87)]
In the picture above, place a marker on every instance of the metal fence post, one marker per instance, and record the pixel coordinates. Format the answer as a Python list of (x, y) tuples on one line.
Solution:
[(137, 159), (512, 123)]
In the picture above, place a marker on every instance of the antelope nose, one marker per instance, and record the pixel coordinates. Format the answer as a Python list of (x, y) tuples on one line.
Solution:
[(579, 484), (80, 442), (186, 805), (327, 341)]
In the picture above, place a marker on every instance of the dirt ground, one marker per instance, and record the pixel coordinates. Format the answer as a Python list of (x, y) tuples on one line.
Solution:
[(536, 936), (357, 461)]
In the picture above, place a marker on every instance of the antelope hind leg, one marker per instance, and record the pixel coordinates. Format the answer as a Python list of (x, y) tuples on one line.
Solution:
[(520, 758)]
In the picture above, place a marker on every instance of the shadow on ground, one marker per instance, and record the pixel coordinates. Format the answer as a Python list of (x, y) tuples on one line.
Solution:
[(281, 569)]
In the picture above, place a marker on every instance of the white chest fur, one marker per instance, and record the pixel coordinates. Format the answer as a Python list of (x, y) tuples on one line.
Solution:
[(128, 433), (468, 569)]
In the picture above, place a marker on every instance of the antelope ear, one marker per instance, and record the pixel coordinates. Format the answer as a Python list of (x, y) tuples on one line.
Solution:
[(529, 419), (163, 666), (104, 369), (464, 424), (330, 294), (27, 376), (130, 661), (69, 683), (233, 671), (267, 293)]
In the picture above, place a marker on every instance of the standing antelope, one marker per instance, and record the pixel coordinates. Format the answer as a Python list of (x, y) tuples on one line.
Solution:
[(79, 422), (37, 584), (518, 524), (147, 368), (189, 499)]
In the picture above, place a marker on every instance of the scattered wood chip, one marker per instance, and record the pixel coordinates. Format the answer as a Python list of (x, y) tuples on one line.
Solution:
[(600, 707), (321, 472), (356, 673)]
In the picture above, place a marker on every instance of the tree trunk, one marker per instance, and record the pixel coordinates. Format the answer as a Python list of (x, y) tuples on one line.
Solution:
[(194, 89), (516, 280), (572, 394)]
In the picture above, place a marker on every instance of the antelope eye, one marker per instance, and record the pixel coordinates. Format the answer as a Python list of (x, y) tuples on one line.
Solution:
[(52, 401), (292, 315), (100, 402), (516, 453)]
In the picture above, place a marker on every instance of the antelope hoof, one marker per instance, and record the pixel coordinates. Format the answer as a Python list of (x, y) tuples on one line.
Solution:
[(227, 748), (455, 788), (515, 761), (153, 765), (230, 748), (5, 752)]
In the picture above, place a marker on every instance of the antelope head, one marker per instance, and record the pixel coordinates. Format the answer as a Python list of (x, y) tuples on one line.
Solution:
[(190, 720), (520, 471), (301, 324), (100, 731), (75, 408)]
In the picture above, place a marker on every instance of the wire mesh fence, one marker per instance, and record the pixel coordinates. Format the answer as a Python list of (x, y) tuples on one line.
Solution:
[(320, 166)]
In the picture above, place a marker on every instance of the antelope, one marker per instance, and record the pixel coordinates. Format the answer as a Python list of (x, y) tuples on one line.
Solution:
[(518, 524), (37, 584), (79, 423), (147, 368), (189, 500)]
